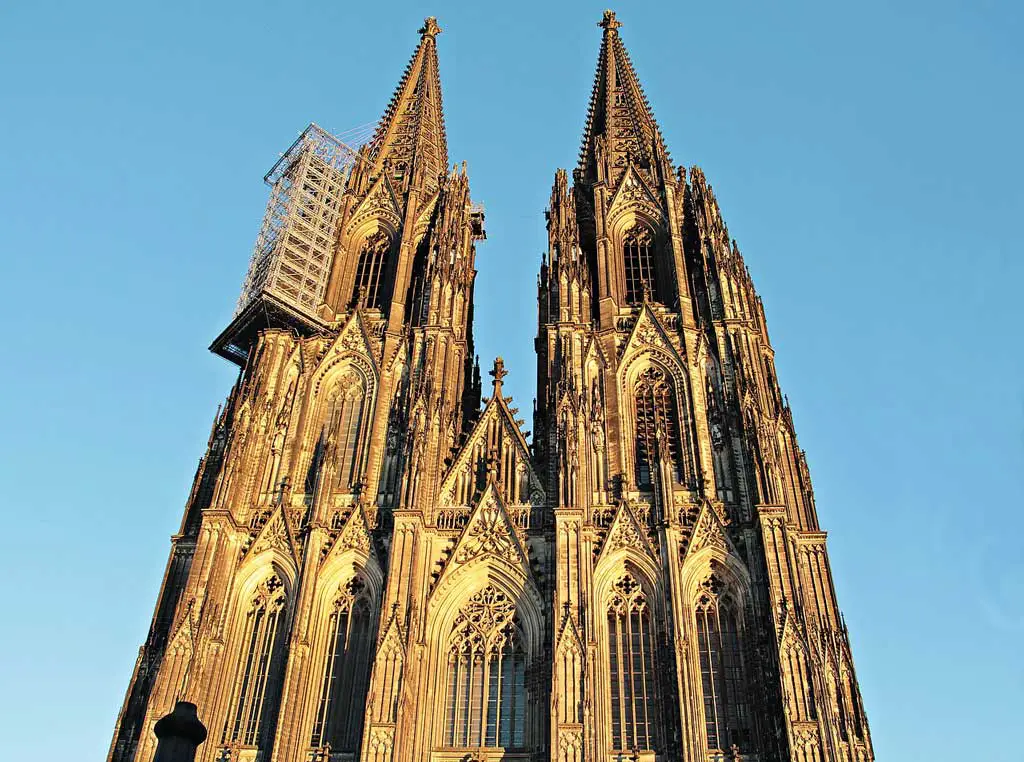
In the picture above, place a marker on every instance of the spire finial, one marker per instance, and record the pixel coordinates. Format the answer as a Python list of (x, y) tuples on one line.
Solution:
[(430, 27), (498, 372), (609, 23)]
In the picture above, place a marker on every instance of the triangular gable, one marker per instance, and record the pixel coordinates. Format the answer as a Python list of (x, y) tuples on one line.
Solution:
[(594, 351), (276, 534), (489, 533), (426, 209), (380, 201), (791, 633), (355, 535), (392, 639), (186, 627), (393, 363), (627, 532), (633, 189), (569, 638), (648, 333), (634, 194), (496, 408), (353, 339), (709, 531)]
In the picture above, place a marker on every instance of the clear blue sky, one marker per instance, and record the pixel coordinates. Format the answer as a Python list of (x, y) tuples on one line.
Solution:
[(867, 157)]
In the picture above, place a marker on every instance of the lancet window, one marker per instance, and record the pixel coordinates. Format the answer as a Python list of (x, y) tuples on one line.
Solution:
[(657, 427), (344, 426), (261, 661), (371, 271), (339, 717), (638, 252), (632, 668), (727, 719), (486, 702)]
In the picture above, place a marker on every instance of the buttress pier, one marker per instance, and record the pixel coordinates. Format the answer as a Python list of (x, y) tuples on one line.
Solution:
[(377, 564)]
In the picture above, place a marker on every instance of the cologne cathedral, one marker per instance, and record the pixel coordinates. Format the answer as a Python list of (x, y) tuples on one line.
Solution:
[(377, 564)]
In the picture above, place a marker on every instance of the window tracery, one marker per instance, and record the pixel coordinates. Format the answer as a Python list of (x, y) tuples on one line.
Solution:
[(371, 270), (632, 668), (657, 427), (344, 427), (727, 718), (262, 640), (638, 253), (486, 703), (339, 717)]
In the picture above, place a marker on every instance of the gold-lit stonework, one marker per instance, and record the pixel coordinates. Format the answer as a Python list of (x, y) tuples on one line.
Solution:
[(376, 564)]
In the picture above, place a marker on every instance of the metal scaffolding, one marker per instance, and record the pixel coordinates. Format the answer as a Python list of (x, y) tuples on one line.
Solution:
[(293, 252)]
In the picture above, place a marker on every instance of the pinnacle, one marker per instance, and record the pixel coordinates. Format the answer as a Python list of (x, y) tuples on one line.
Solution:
[(609, 23), (430, 27), (620, 125), (498, 372), (411, 134)]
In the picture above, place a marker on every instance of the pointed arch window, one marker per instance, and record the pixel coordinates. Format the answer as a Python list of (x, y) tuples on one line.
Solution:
[(638, 253), (486, 702), (632, 668), (339, 717), (727, 719), (345, 428), (261, 662), (657, 427), (371, 270)]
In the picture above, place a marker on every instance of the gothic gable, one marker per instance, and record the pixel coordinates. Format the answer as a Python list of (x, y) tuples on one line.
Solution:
[(709, 532), (594, 352), (352, 342), (380, 202), (634, 194), (570, 639), (489, 535), (354, 535), (499, 418), (627, 533), (392, 639), (275, 535), (649, 335)]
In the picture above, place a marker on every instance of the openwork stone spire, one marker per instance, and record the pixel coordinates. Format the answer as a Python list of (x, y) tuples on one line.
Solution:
[(620, 124), (411, 135)]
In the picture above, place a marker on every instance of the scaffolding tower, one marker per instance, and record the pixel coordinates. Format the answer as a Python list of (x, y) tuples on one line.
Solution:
[(291, 261)]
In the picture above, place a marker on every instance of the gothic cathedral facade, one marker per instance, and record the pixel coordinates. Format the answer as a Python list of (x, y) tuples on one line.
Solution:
[(376, 564)]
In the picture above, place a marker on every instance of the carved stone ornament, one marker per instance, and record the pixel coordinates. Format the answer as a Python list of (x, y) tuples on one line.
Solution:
[(625, 534), (708, 532), (487, 614), (356, 534), (274, 536), (490, 534)]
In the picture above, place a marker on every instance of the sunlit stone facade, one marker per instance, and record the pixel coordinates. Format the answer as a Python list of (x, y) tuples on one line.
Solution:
[(375, 563)]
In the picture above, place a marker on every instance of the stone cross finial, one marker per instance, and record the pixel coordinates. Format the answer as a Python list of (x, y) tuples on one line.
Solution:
[(609, 22), (498, 372), (430, 27)]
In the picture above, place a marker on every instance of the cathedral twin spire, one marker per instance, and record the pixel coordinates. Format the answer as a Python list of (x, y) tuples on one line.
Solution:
[(385, 571), (411, 136), (620, 125)]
